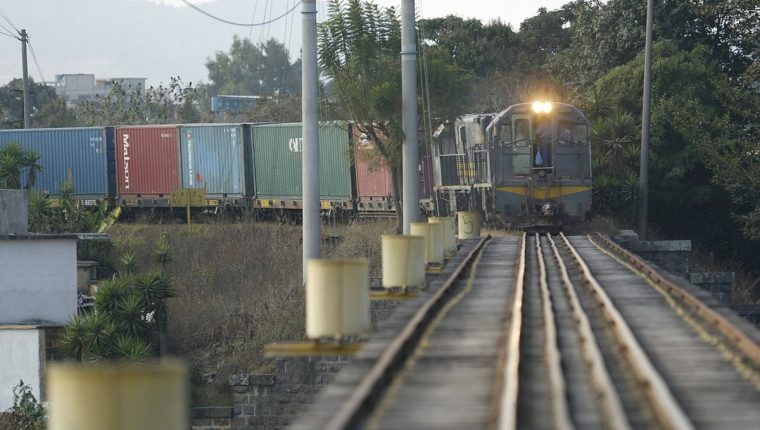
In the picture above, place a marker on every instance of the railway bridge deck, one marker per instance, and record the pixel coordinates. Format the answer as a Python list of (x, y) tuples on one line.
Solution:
[(550, 332)]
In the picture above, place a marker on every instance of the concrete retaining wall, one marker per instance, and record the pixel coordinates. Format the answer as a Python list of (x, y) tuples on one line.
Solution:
[(671, 255), (719, 284)]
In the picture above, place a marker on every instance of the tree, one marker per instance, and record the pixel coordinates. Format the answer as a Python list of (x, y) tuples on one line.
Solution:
[(359, 52), (249, 69), (701, 148), (12, 105), (55, 113), (136, 106)]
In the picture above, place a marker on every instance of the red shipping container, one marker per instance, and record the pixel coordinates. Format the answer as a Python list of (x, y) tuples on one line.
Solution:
[(147, 161), (373, 177)]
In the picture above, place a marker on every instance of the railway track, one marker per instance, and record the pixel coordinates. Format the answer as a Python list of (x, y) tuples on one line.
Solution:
[(549, 332)]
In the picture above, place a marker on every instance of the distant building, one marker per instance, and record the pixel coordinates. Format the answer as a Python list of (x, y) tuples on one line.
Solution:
[(233, 104), (78, 87)]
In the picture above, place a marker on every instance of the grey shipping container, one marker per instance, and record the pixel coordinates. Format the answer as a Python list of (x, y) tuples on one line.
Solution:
[(277, 155), (213, 158), (79, 154)]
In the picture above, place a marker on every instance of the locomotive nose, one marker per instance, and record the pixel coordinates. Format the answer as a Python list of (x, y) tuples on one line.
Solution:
[(548, 209)]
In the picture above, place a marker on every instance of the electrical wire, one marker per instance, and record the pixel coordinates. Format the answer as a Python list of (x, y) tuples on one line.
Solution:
[(240, 24), (2, 13), (36, 63), (8, 31), (253, 18), (9, 35)]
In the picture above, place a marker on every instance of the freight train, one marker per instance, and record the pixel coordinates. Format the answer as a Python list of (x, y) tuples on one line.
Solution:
[(527, 167), (246, 167)]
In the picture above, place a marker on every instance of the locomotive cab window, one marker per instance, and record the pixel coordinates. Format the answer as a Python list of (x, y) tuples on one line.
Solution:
[(521, 149)]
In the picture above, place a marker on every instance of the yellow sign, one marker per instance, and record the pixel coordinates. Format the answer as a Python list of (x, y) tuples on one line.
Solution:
[(193, 197)]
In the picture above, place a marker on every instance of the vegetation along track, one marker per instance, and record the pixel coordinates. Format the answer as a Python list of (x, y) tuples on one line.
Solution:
[(558, 332)]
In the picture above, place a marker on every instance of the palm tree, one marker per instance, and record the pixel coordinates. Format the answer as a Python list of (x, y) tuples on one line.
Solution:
[(14, 159)]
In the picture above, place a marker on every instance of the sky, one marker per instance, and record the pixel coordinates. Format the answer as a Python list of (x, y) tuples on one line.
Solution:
[(158, 39)]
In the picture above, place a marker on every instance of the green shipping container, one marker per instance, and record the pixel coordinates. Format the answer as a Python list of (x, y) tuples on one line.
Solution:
[(277, 154)]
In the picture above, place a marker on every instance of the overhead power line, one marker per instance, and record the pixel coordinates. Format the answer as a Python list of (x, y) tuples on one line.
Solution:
[(8, 20), (8, 34), (241, 24), (36, 63)]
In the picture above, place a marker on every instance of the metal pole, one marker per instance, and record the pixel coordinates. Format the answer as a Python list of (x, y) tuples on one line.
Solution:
[(27, 104), (644, 168), (410, 155), (310, 119)]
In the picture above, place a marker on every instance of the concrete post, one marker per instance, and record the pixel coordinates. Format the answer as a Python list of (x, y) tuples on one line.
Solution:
[(310, 121), (644, 167), (25, 76), (410, 155)]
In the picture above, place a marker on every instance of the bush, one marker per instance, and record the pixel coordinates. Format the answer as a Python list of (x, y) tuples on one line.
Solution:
[(26, 413)]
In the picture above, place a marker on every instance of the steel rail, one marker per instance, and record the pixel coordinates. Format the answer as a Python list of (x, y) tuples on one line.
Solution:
[(349, 415), (606, 392), (666, 410), (506, 413), (742, 342), (559, 404)]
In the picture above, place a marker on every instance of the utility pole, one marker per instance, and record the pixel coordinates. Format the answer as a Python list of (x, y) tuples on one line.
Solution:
[(310, 122), (647, 101), (410, 154), (27, 105)]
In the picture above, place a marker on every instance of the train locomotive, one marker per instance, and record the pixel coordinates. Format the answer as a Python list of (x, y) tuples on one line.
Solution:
[(527, 167)]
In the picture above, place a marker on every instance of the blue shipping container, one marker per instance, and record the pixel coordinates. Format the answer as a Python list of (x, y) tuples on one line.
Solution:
[(213, 158), (81, 154)]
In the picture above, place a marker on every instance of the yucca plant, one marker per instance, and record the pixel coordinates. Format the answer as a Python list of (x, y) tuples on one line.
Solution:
[(162, 254), (99, 334), (132, 348), (127, 263), (40, 212), (130, 316), (72, 342), (110, 294), (154, 288)]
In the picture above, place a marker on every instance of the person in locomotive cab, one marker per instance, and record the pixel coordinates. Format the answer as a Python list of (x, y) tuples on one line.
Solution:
[(543, 143)]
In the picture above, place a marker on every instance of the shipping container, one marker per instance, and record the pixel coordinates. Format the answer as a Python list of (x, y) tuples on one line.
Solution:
[(277, 153), (213, 158), (147, 161), (79, 154), (374, 186)]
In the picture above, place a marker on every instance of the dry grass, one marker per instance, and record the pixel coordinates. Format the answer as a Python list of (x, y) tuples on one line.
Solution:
[(239, 288)]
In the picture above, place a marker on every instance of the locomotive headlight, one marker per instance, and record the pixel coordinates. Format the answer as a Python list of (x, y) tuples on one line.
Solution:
[(542, 107)]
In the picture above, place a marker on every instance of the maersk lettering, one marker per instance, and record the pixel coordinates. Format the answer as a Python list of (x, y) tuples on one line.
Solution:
[(125, 147)]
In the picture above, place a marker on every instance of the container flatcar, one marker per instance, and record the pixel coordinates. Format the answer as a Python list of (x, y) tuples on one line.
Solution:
[(147, 165), (213, 158), (83, 156), (276, 164)]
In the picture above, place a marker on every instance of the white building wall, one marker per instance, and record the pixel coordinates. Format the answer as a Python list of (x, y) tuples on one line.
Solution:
[(21, 355), (38, 281)]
